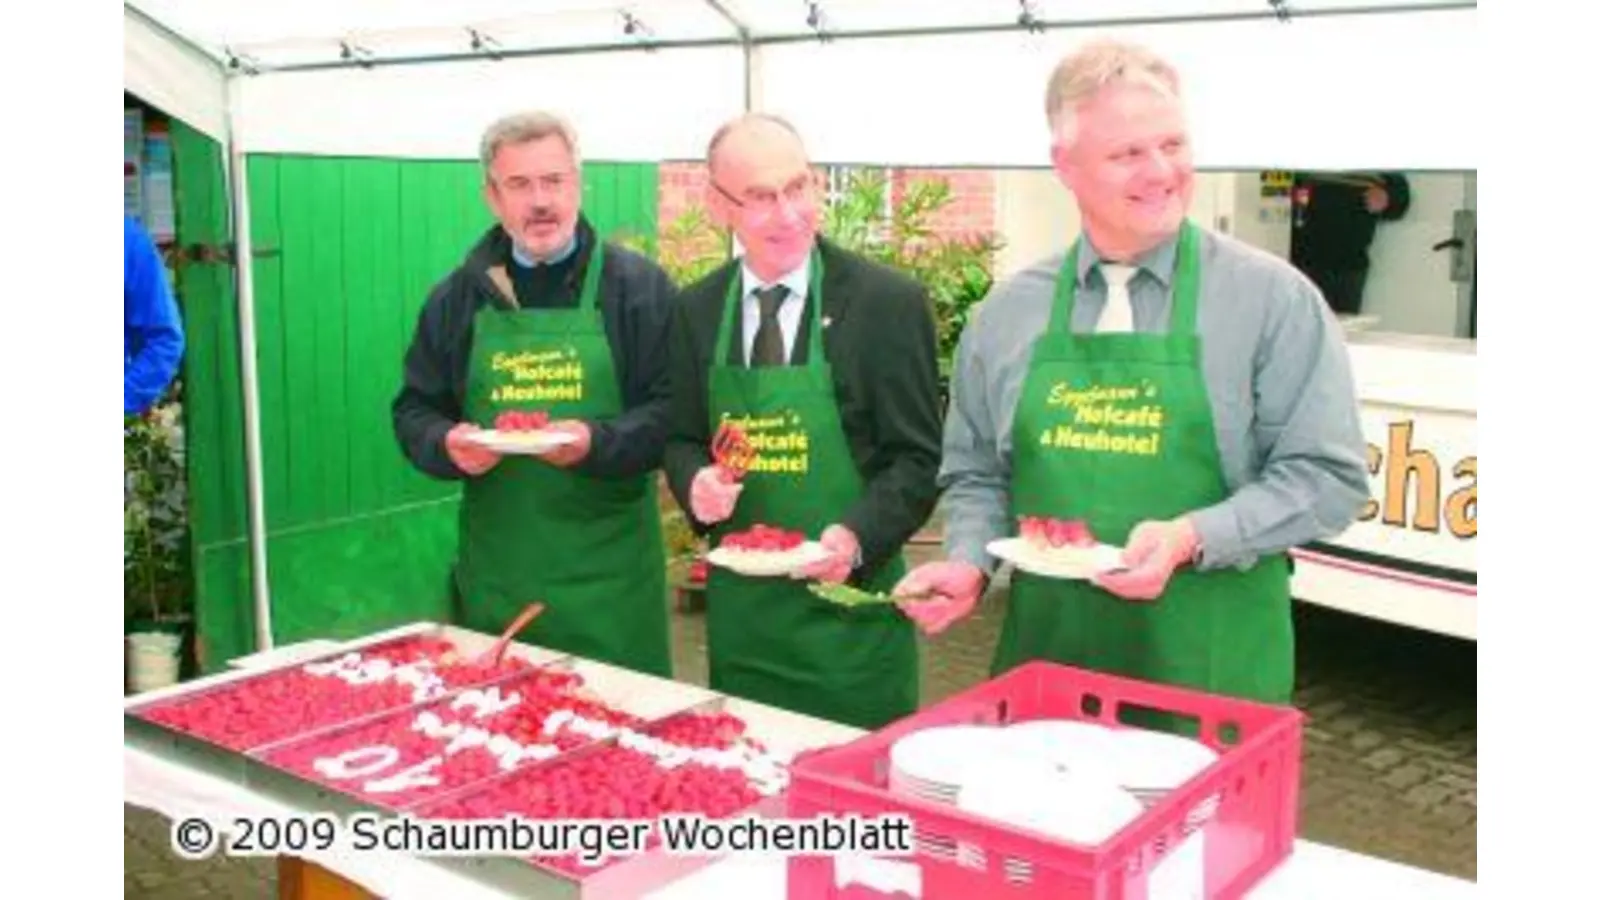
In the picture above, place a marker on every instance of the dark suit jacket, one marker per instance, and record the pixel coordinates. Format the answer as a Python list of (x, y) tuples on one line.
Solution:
[(883, 348)]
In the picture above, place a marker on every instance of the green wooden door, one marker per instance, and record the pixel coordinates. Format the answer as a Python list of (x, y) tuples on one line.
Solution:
[(213, 407), (357, 539)]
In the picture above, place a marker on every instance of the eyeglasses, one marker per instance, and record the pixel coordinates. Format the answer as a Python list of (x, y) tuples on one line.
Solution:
[(763, 202)]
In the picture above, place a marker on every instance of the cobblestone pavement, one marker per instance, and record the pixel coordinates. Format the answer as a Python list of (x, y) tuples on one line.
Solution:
[(1390, 761)]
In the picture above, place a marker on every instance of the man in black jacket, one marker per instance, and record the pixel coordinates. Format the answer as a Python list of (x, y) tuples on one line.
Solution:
[(1335, 218), (828, 362), (544, 317)]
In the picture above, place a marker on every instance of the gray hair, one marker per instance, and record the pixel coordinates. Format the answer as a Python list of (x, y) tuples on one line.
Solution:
[(520, 128), (740, 121), (1081, 75)]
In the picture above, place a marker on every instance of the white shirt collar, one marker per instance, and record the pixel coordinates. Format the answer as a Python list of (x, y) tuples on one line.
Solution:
[(796, 281)]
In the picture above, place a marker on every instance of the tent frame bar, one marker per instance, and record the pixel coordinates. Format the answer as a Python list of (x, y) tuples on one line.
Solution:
[(175, 36), (746, 44), (750, 42)]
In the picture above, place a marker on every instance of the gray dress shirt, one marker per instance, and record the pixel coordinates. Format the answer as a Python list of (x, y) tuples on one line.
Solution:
[(1275, 366)]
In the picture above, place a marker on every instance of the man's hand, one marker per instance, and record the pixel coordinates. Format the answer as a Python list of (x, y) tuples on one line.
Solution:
[(1377, 200), (842, 548), (712, 495), (469, 456), (955, 585), (569, 454), (1154, 551)]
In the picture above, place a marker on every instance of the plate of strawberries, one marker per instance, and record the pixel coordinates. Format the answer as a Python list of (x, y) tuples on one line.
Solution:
[(766, 551), (1057, 548), (522, 432)]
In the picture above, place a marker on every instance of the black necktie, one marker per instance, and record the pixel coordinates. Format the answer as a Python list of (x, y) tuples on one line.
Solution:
[(768, 348)]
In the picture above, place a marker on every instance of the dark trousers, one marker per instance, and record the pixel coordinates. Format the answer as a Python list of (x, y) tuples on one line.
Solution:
[(1342, 287)]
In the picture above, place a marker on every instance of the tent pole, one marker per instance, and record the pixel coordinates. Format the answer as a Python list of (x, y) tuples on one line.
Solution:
[(251, 388), (745, 45)]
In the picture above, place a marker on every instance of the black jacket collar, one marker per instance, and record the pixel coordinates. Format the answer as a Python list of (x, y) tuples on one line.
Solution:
[(488, 260)]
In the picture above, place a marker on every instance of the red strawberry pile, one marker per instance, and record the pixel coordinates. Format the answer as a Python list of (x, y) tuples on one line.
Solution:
[(519, 420), (422, 765), (763, 539), (1042, 531), (619, 783), (258, 711)]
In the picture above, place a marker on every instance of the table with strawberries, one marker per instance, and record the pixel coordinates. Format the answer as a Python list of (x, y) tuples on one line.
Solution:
[(415, 722), (417, 725)]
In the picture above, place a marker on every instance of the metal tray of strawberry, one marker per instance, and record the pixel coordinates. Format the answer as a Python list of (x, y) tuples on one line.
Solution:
[(725, 758), (688, 765), (410, 756), (241, 711)]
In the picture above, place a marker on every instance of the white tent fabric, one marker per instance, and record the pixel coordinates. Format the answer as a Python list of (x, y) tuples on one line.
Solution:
[(638, 107), (1341, 83), (173, 76)]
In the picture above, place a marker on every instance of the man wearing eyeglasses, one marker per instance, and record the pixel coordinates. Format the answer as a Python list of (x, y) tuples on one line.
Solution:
[(544, 316), (828, 362)]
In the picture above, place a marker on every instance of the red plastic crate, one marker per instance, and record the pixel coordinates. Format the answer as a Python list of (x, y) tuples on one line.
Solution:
[(1246, 802)]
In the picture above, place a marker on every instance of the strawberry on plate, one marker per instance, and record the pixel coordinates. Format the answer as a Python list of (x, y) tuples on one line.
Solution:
[(1056, 548), (765, 551), (521, 420), (1045, 533), (763, 539)]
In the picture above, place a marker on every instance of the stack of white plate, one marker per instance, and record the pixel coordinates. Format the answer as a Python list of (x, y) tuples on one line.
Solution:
[(1077, 781), (933, 763), (1150, 764), (1041, 797)]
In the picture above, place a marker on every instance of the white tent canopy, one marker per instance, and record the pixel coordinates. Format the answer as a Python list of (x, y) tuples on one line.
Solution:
[(1337, 83)]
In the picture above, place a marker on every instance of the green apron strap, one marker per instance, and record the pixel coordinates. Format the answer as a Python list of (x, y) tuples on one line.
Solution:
[(587, 301), (1186, 284), (1066, 293), (731, 314), (815, 301)]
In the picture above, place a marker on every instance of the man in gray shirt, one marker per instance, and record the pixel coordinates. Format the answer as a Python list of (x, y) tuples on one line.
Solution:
[(1180, 395)]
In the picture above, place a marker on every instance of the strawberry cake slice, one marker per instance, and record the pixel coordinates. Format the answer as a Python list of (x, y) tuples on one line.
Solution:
[(762, 545), (1062, 542), (520, 421)]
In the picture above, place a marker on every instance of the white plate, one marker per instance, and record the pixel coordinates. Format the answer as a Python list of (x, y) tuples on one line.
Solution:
[(1043, 799), (1017, 552), (522, 442), (940, 757), (1150, 761), (1084, 749), (767, 563)]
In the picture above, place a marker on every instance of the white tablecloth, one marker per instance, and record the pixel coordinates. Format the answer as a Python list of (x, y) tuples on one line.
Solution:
[(1313, 872)]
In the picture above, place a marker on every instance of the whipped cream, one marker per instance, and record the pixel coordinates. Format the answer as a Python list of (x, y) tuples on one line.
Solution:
[(508, 751), (767, 773), (358, 762), (355, 670)]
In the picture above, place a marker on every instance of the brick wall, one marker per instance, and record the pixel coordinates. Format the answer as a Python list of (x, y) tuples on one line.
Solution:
[(971, 207), (682, 184)]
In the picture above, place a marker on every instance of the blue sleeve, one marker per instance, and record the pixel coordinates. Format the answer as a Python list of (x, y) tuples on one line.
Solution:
[(152, 332)]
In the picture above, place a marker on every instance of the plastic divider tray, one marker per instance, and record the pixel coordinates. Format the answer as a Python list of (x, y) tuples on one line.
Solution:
[(1244, 804)]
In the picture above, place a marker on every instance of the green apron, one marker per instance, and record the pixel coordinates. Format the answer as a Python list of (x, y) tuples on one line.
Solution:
[(770, 640), (1117, 429), (589, 548)]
